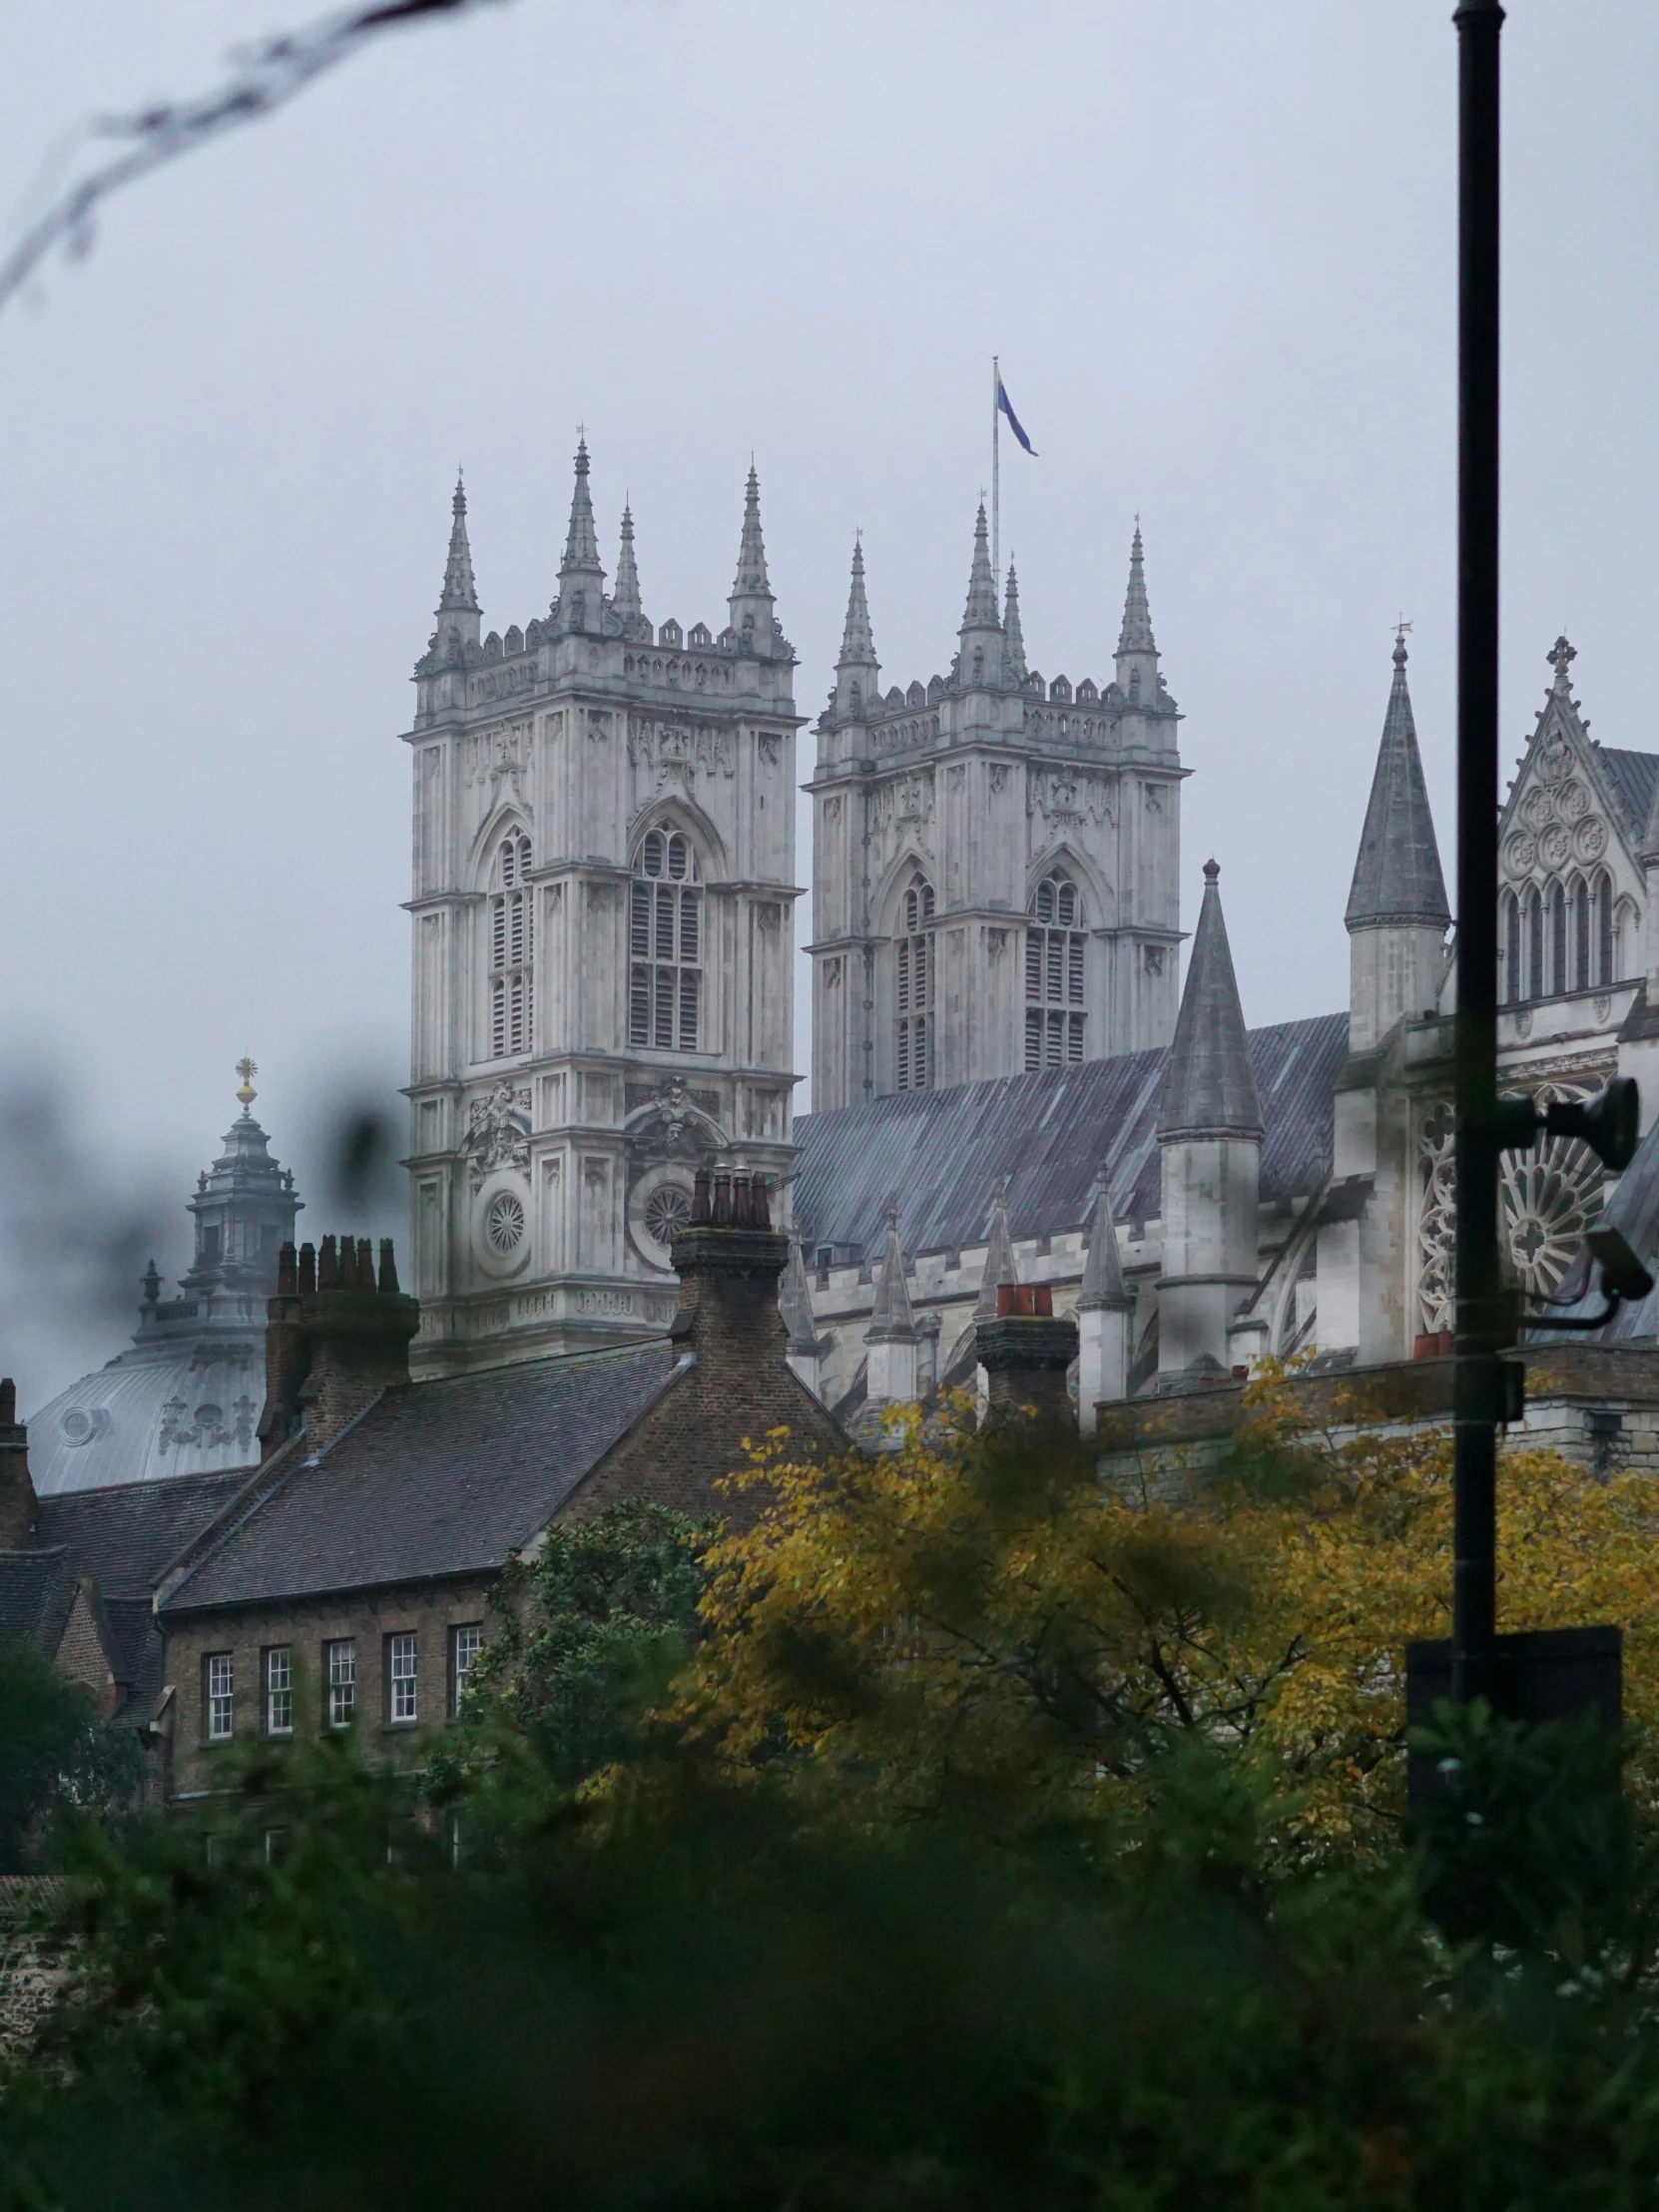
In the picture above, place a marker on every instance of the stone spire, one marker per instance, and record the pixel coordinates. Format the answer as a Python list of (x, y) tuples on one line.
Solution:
[(890, 1315), (1137, 654), (858, 672), (999, 1255), (581, 579), (751, 601), (1396, 877), (794, 1303), (1103, 1289), (625, 600), (460, 594), (980, 612), (1014, 649), (1209, 1089)]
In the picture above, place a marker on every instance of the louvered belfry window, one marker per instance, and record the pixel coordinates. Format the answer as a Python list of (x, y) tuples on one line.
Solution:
[(664, 944), (913, 988), (1055, 952), (512, 950)]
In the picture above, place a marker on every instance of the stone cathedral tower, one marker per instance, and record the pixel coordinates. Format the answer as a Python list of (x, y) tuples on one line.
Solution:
[(995, 860), (604, 864)]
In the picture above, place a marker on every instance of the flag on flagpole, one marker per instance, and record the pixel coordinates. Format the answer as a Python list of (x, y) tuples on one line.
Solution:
[(1004, 407)]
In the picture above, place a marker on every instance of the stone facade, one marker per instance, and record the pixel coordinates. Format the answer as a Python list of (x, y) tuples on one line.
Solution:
[(995, 860), (604, 864)]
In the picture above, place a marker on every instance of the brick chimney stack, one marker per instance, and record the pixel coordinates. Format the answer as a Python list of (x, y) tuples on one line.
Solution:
[(1025, 1352), (17, 1490), (337, 1333), (729, 1259)]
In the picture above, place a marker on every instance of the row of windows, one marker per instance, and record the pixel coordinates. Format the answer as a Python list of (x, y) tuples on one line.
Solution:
[(1553, 941), (400, 1702), (1056, 951)]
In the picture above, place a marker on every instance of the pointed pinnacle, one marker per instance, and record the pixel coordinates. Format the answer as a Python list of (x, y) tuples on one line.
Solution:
[(980, 613), (1396, 877), (999, 1256), (626, 598), (460, 593), (890, 1315), (751, 579), (1209, 1087), (1103, 1286), (581, 542), (858, 645), (1136, 634), (1011, 626)]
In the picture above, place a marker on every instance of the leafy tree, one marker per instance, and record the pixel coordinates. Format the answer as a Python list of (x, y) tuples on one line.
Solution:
[(57, 1755)]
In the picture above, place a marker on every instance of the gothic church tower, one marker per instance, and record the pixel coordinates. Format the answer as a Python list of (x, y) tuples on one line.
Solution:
[(604, 861), (995, 860)]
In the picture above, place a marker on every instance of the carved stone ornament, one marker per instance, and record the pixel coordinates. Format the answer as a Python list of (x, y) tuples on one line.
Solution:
[(1573, 800), (680, 1123), (1553, 846), (210, 1428), (1520, 854), (1555, 758), (676, 752), (499, 758), (1539, 807), (1551, 1194), (498, 1133), (1589, 839)]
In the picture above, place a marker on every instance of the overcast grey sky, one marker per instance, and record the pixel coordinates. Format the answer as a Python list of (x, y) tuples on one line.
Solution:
[(1213, 245)]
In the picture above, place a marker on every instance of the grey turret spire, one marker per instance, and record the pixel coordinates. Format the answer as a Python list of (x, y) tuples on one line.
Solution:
[(1396, 877), (891, 1315), (1102, 1288), (1137, 654), (858, 672), (1014, 648), (1209, 1089), (625, 600), (999, 1255), (581, 539), (460, 593), (794, 1303), (980, 612), (751, 601)]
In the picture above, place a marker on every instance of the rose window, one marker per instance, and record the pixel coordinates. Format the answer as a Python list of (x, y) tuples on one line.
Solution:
[(504, 1223), (667, 1211), (1551, 1194)]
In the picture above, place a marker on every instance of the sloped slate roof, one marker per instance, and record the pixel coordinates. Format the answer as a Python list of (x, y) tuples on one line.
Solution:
[(124, 1537), (437, 1478), (940, 1152), (1633, 777), (36, 1588)]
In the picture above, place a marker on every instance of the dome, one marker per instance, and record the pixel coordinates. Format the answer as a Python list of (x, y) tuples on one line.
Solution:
[(186, 1398)]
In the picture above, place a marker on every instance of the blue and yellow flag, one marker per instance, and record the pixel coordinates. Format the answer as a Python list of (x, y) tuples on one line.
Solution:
[(1005, 406)]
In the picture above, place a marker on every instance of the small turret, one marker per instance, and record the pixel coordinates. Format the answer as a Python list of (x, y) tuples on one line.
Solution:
[(979, 659), (581, 578), (794, 1303), (1013, 650), (1210, 1143), (1397, 914), (1104, 1307), (750, 602), (892, 1338), (1137, 654), (999, 1256), (858, 672), (457, 609), (625, 600)]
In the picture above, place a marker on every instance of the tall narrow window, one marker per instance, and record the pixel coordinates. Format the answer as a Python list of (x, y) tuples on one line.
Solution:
[(512, 950), (340, 1662), (664, 944), (1581, 935), (218, 1695), (402, 1663), (279, 1690), (1055, 949), (1558, 939), (1604, 929), (1534, 943), (913, 988), (465, 1643), (1515, 981)]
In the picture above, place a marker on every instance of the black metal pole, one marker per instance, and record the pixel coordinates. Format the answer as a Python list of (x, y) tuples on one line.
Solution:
[(1479, 1330)]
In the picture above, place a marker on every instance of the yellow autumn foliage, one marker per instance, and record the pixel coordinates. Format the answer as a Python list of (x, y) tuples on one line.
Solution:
[(981, 1619)]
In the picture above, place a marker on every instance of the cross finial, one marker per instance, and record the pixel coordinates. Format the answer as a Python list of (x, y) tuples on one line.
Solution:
[(1561, 656), (246, 1069)]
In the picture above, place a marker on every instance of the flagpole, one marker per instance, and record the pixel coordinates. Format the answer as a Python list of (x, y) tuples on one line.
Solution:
[(996, 488)]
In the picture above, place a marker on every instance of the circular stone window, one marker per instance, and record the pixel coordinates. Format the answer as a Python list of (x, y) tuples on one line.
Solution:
[(667, 1212), (504, 1223)]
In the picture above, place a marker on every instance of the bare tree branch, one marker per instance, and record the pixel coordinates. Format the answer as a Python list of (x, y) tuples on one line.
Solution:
[(264, 78)]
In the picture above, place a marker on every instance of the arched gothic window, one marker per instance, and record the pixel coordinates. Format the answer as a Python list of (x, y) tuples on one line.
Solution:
[(1581, 935), (665, 943), (1558, 939), (1604, 928), (1055, 947), (1534, 943), (511, 950), (1514, 980), (913, 988)]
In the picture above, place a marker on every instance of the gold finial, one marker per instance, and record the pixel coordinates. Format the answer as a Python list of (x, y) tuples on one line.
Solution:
[(246, 1069)]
